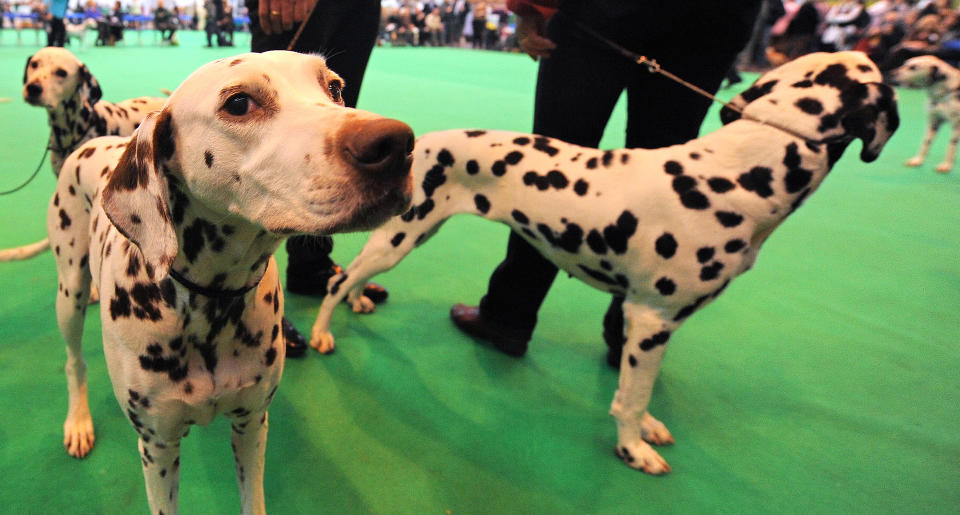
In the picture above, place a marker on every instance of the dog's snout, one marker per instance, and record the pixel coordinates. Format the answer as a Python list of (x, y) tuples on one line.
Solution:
[(380, 146), (34, 89)]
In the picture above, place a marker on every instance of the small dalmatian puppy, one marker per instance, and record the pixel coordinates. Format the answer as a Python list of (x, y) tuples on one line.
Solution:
[(57, 81), (177, 226), (942, 83), (666, 229)]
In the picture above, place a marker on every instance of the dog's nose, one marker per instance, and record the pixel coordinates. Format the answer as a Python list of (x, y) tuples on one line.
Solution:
[(34, 89), (380, 147)]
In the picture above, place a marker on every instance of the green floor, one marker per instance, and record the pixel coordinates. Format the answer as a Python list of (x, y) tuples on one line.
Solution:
[(826, 380)]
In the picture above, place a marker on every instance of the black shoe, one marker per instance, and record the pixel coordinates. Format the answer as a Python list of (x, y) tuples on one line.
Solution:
[(468, 320), (296, 343), (303, 280)]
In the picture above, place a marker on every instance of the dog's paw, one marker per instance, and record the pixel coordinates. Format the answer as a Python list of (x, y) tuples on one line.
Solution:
[(94, 295), (943, 167), (363, 304), (654, 431), (914, 161), (642, 457), (78, 435), (321, 340)]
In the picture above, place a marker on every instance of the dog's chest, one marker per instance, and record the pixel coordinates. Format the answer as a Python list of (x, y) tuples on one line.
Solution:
[(945, 108), (203, 348)]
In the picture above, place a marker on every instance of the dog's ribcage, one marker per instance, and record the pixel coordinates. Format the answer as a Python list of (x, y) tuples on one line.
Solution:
[(667, 227)]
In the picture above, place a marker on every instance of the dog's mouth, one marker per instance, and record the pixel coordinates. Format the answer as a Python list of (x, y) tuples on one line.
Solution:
[(35, 101), (378, 205), (373, 213)]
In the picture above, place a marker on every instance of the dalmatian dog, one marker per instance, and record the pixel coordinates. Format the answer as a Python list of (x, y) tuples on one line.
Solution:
[(942, 83), (665, 229), (57, 81), (177, 226)]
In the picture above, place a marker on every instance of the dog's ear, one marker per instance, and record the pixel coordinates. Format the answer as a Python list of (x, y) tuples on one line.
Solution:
[(936, 75), (135, 197), (88, 86), (874, 120), (26, 68)]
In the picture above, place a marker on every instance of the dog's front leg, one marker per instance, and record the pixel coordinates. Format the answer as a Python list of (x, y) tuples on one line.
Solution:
[(249, 439), (78, 436), (383, 250), (947, 163), (917, 160), (646, 338), (161, 473)]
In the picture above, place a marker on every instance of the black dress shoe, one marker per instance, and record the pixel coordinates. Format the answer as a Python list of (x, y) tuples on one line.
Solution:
[(312, 281), (296, 343), (468, 320)]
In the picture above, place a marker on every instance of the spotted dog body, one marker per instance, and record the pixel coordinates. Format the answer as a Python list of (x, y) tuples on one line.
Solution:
[(666, 229), (60, 83), (178, 232), (942, 83)]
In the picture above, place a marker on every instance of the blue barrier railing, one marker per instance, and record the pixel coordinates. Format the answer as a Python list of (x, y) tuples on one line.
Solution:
[(128, 18)]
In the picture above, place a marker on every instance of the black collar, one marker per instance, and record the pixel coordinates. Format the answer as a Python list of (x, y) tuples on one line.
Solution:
[(216, 293)]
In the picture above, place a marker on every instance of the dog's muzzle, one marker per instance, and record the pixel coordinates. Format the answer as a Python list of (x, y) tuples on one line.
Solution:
[(32, 92)]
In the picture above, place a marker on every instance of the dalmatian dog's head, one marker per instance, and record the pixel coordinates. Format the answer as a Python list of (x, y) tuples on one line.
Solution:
[(925, 71), (825, 97), (54, 76), (262, 139)]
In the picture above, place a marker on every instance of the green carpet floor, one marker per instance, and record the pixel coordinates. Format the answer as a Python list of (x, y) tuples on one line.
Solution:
[(826, 380)]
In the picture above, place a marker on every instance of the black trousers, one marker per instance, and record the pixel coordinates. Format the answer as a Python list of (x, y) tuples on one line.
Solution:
[(58, 32), (345, 33), (577, 88)]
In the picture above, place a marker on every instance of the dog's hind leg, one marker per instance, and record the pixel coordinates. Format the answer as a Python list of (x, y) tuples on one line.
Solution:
[(948, 158), (161, 472), (249, 440), (646, 337), (917, 160), (383, 250)]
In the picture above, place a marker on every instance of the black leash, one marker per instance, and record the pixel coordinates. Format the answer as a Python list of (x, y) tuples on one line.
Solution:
[(32, 177)]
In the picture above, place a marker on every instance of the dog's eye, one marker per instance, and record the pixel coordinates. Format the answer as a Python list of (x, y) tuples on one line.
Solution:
[(61, 72), (912, 67), (34, 65), (239, 104), (336, 91)]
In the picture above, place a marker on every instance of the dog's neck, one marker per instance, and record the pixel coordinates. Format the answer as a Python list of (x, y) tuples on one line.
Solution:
[(70, 123), (946, 87), (216, 252), (796, 167)]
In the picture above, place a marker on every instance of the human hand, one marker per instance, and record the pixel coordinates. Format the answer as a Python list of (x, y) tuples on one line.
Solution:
[(530, 36), (277, 16)]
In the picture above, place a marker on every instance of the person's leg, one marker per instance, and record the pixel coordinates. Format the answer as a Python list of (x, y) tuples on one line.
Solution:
[(577, 88), (661, 112), (347, 36)]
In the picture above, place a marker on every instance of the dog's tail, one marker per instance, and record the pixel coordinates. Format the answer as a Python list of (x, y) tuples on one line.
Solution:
[(26, 251)]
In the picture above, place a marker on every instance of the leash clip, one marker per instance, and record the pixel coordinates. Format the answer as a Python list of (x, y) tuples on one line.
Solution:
[(652, 65)]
